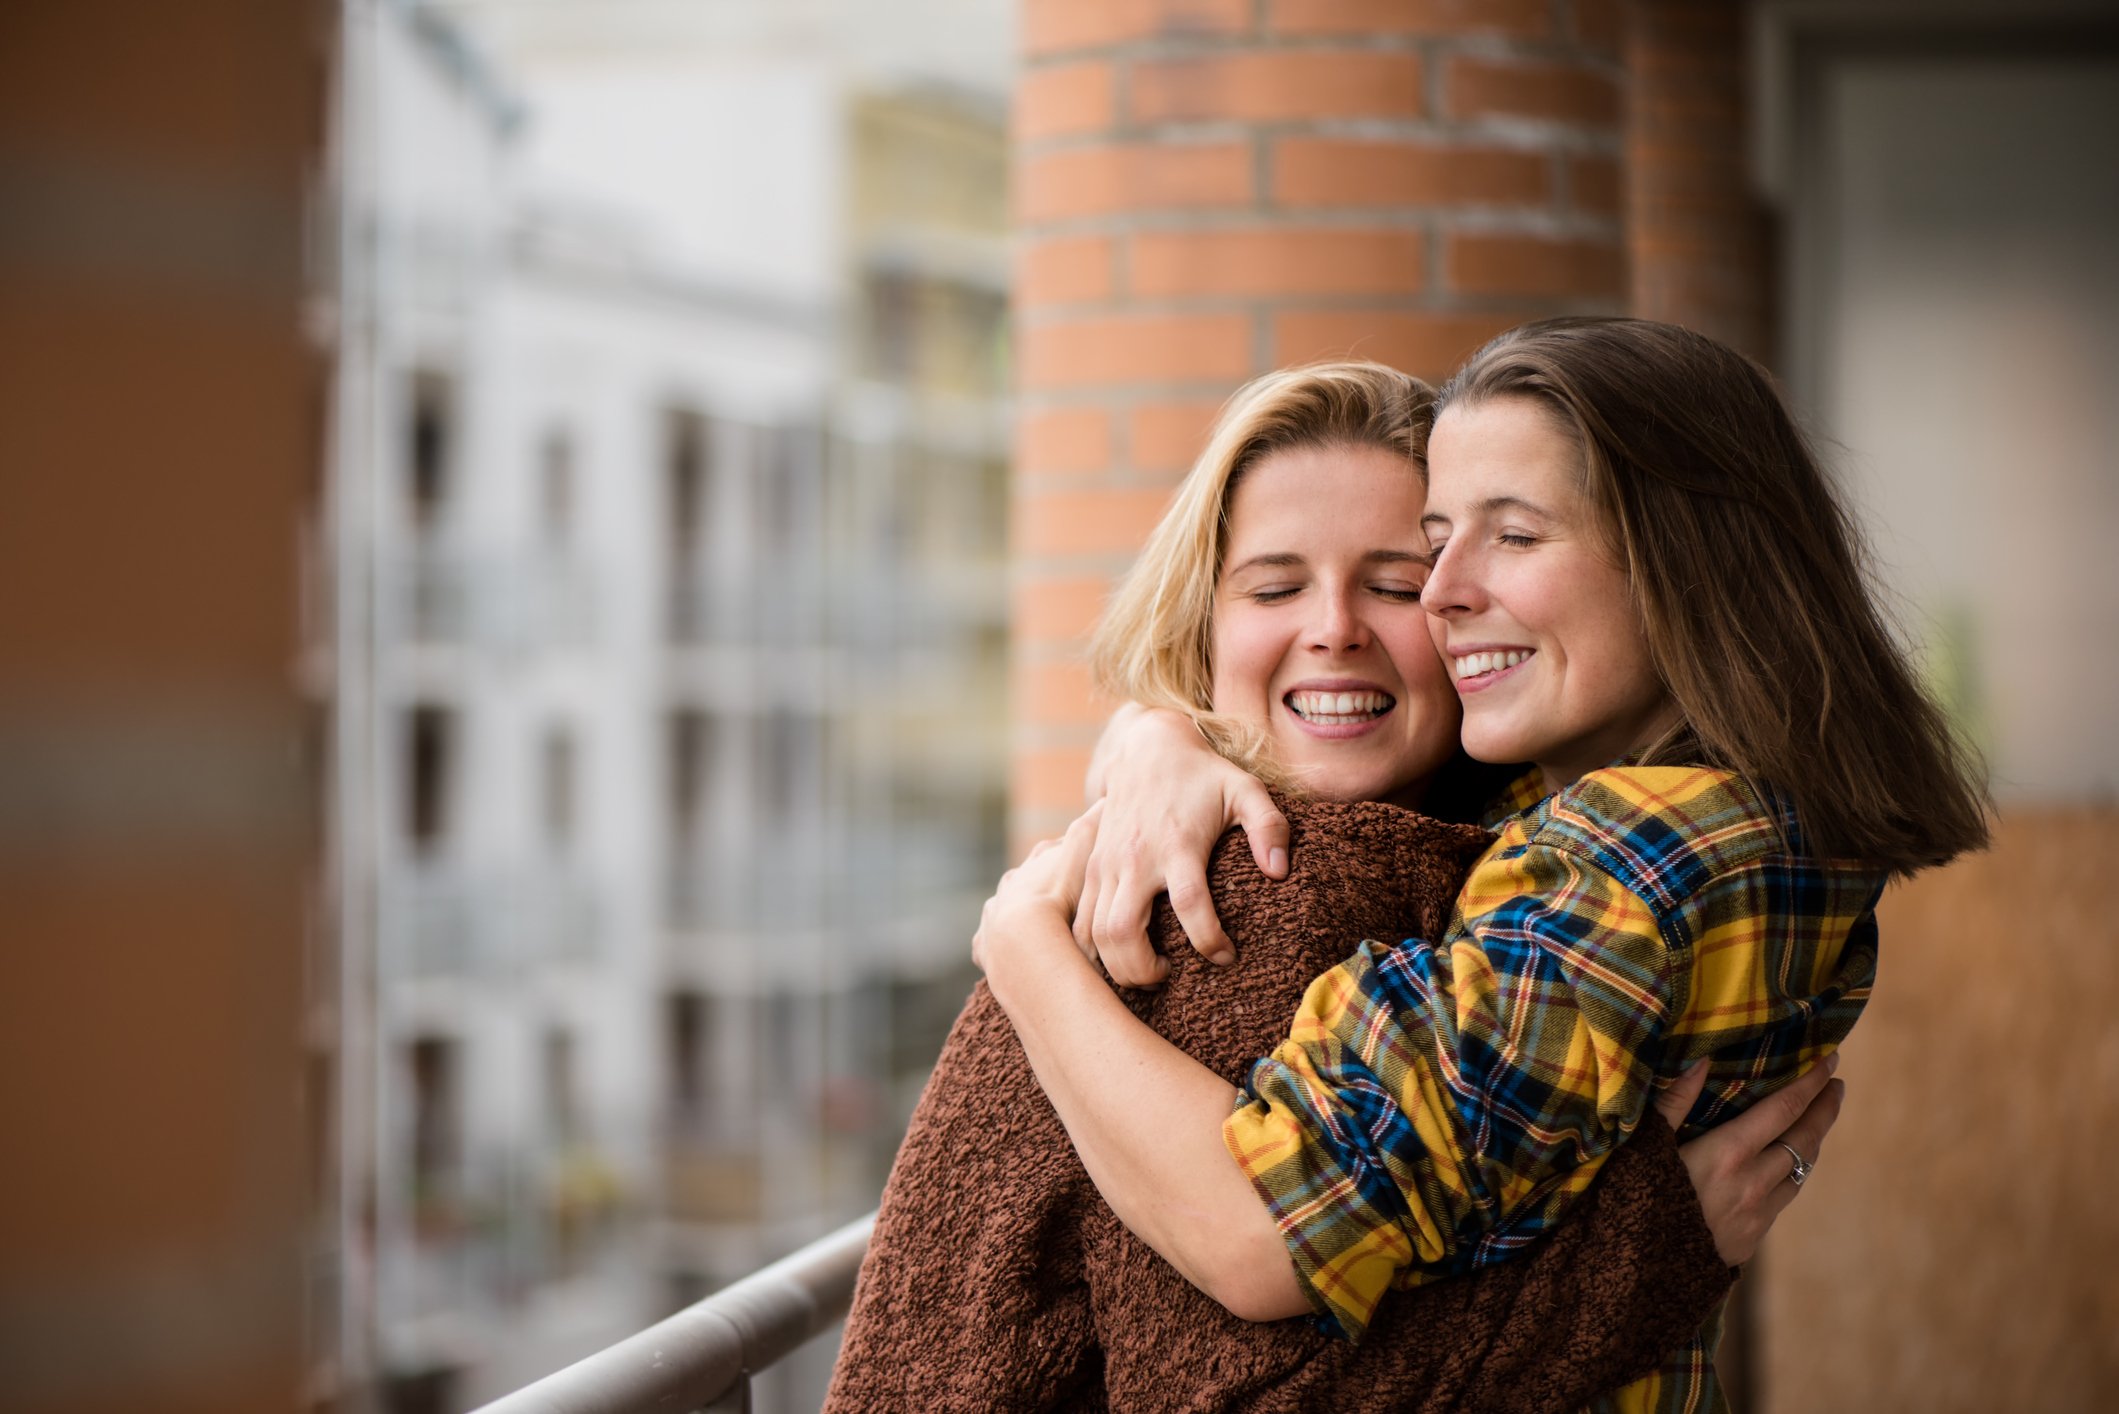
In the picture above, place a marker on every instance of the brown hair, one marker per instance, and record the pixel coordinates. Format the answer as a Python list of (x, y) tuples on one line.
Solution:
[(1747, 572), (1154, 644)]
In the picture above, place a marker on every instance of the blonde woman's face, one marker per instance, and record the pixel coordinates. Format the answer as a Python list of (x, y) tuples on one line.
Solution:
[(1318, 630)]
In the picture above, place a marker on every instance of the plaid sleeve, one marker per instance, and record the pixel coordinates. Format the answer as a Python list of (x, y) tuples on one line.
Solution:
[(1436, 1105)]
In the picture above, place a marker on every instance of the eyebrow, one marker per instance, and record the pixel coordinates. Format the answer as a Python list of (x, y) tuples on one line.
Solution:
[(1488, 507), (1286, 559), (1281, 560)]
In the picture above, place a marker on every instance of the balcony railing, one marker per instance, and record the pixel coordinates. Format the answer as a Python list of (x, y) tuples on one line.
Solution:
[(702, 1358)]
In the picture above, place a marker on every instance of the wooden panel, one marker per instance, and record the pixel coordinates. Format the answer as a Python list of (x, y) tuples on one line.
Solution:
[(1955, 1249)]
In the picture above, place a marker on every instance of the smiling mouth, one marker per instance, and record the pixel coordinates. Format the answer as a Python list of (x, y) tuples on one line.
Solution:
[(1339, 709), (1473, 666)]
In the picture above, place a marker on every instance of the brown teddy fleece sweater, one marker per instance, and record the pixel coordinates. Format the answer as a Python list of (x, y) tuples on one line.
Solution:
[(998, 1279)]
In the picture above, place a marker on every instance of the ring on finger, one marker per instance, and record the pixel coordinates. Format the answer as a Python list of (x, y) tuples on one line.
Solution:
[(1801, 1170)]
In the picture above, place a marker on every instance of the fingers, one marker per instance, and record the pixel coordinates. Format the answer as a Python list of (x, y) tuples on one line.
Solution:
[(1119, 930), (1807, 1134), (1193, 903), (1806, 1138), (1132, 962), (1799, 1114), (1675, 1100), (1263, 826), (1084, 923), (1757, 1128)]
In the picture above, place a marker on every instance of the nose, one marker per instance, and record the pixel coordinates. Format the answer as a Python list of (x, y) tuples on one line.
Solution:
[(1452, 587), (1340, 626)]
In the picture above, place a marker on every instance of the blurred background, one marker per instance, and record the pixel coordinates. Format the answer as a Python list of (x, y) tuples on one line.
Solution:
[(544, 549)]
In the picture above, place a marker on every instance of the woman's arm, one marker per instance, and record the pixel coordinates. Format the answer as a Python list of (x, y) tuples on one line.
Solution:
[(1167, 797), (1147, 1120), (1144, 1117)]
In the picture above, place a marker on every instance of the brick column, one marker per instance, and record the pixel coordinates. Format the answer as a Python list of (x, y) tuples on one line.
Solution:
[(1699, 235), (160, 429), (1209, 189)]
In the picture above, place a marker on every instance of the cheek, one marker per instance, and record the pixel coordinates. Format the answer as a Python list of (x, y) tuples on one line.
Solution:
[(1432, 696), (1607, 640), (1245, 656)]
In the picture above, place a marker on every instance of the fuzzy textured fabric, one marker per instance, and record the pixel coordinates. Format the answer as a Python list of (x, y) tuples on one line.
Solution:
[(998, 1279)]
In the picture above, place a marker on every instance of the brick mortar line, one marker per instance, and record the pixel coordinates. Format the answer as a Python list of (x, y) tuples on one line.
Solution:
[(1251, 304), (1481, 217), (1206, 47), (1515, 305), (1569, 228), (1290, 220), (1264, 195), (1507, 131), (1262, 312)]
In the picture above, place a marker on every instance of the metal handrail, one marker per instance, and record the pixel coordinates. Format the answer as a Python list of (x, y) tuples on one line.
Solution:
[(709, 1349)]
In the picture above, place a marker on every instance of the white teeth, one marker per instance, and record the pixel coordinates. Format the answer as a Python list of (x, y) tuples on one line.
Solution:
[(1472, 665), (1339, 708)]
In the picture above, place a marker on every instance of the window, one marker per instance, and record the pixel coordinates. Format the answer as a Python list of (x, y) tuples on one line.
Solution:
[(688, 1036), (783, 466), (555, 488), (430, 745), (692, 745), (562, 1101), (430, 445), (685, 437), (792, 744), (436, 1117), (558, 777)]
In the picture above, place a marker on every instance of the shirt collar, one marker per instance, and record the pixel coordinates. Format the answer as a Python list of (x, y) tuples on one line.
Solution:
[(1527, 792), (1523, 793)]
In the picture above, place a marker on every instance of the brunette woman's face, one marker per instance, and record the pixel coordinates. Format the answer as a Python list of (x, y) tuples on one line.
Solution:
[(1318, 629), (1526, 601)]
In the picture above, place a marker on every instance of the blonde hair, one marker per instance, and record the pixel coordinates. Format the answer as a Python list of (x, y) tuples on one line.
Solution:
[(1155, 642)]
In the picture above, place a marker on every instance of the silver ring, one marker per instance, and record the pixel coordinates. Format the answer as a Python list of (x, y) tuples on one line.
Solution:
[(1801, 1170)]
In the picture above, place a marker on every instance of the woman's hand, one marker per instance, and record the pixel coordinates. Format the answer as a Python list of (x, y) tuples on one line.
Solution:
[(1167, 796), (1036, 895), (1739, 1169)]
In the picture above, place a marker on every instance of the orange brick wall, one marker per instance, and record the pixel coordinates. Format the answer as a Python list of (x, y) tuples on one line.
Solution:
[(1209, 189)]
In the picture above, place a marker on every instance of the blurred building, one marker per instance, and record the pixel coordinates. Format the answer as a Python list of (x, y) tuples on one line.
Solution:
[(670, 653)]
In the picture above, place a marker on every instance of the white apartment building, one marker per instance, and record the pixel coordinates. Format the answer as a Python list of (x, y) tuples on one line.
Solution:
[(668, 676)]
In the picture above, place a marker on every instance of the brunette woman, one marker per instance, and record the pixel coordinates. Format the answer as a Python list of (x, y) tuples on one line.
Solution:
[(1644, 586)]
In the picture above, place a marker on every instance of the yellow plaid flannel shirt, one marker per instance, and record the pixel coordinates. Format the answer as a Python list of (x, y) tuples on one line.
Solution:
[(1437, 1106)]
